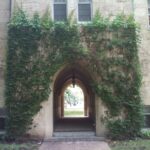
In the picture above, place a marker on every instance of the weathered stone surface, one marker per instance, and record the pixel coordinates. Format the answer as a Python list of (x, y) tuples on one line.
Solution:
[(4, 15), (75, 146), (105, 7), (138, 8), (4, 10), (3, 31), (1, 93), (112, 7), (44, 127), (5, 5), (4, 18), (141, 16)]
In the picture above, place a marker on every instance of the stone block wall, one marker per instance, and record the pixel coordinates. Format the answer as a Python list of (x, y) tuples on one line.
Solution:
[(106, 7), (4, 18), (141, 16), (44, 119), (112, 7)]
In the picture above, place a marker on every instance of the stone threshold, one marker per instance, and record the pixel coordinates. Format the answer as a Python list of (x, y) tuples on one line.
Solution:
[(74, 136)]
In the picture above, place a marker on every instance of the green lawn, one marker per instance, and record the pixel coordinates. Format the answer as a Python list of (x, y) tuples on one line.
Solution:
[(27, 146), (73, 112), (131, 145)]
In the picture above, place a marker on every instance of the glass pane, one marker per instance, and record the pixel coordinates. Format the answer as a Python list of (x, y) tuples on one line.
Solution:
[(148, 3), (84, 12), (60, 12), (59, 1), (147, 116), (2, 123), (149, 11), (84, 1), (147, 109), (147, 121)]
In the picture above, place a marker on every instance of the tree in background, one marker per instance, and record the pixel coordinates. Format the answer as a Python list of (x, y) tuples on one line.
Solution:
[(70, 98)]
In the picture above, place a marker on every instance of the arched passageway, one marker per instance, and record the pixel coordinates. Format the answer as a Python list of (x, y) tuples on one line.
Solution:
[(74, 102), (73, 76)]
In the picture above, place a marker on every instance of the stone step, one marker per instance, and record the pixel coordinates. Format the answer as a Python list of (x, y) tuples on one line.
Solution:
[(74, 139), (74, 134)]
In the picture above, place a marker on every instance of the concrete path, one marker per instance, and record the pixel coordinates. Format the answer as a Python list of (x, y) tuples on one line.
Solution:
[(88, 145)]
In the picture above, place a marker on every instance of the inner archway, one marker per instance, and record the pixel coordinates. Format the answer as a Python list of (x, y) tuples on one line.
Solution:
[(77, 77), (74, 102)]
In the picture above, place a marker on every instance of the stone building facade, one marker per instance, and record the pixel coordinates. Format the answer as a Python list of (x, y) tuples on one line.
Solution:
[(139, 8)]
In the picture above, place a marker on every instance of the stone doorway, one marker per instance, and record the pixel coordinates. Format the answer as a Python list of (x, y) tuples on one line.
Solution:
[(73, 76), (50, 118)]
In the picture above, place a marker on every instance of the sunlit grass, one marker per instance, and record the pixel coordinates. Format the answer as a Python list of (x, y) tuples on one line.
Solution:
[(14, 146), (131, 145), (72, 112)]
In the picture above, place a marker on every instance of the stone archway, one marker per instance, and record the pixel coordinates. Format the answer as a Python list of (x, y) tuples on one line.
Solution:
[(44, 121), (63, 79)]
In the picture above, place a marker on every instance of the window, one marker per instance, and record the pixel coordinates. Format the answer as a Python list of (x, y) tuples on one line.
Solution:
[(2, 119), (147, 116), (149, 11), (60, 10), (84, 10), (2, 123)]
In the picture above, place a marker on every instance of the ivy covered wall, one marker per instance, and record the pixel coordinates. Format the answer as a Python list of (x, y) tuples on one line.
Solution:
[(38, 48)]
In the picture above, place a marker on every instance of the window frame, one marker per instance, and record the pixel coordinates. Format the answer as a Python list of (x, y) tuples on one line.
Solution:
[(148, 9), (146, 113), (53, 13), (91, 7)]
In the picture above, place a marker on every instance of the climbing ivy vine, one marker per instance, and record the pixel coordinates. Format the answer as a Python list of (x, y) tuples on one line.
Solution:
[(39, 47)]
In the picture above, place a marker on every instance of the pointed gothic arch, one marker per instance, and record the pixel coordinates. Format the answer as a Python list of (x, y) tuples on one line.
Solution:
[(82, 79), (49, 114)]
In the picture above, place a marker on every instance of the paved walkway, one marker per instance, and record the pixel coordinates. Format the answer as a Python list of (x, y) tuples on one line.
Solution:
[(88, 145)]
